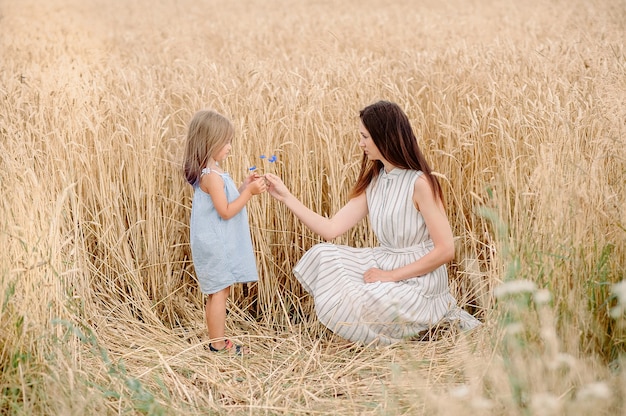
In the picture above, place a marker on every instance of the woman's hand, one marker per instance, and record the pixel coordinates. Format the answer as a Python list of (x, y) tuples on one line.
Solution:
[(276, 187), (376, 275)]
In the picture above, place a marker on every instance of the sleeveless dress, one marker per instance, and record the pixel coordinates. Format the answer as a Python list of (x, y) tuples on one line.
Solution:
[(381, 313), (221, 249)]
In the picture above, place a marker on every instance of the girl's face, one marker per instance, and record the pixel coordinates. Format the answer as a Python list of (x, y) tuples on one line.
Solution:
[(367, 144), (222, 153)]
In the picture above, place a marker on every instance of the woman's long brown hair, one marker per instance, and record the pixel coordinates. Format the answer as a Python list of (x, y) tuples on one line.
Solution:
[(391, 131)]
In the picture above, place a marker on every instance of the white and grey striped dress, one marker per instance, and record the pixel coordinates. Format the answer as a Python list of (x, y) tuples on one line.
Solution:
[(381, 313)]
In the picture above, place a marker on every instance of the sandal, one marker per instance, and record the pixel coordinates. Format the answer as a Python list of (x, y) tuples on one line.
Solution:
[(229, 346)]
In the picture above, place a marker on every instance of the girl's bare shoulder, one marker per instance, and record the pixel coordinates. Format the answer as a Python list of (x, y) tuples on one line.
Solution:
[(210, 179)]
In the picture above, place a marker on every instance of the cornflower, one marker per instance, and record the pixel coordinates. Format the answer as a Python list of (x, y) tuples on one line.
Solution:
[(270, 159)]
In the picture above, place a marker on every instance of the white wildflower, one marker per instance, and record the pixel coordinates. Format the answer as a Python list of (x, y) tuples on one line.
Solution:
[(598, 390), (481, 404), (514, 287), (619, 290), (514, 328), (460, 392), (563, 361), (545, 404), (542, 296)]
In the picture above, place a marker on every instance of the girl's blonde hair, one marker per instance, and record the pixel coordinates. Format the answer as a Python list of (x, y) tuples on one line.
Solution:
[(208, 132)]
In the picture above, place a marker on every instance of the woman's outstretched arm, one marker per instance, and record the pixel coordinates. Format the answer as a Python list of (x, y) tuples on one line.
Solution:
[(328, 228)]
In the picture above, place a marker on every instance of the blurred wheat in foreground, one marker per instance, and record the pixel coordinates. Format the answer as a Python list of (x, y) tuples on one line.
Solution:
[(519, 108)]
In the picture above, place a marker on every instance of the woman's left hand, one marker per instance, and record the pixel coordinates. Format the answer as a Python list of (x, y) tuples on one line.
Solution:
[(276, 187), (377, 275)]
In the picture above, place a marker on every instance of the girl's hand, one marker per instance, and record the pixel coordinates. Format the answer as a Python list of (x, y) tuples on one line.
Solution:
[(276, 187), (377, 275), (257, 186), (251, 178)]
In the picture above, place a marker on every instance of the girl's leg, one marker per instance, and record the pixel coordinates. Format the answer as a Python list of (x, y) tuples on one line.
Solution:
[(215, 315)]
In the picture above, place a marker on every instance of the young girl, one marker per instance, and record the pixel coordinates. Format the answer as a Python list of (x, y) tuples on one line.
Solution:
[(221, 246)]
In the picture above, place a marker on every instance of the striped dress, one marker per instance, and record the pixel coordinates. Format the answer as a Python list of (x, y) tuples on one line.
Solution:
[(381, 313)]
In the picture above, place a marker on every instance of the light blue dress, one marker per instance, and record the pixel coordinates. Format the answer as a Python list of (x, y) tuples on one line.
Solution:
[(221, 249)]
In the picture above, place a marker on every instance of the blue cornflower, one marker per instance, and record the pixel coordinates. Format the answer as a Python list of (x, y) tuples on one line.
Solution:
[(270, 159)]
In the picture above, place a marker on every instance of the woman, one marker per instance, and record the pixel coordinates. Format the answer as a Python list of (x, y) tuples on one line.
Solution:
[(399, 289)]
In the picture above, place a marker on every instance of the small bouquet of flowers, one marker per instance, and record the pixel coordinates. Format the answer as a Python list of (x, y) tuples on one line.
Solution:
[(271, 159)]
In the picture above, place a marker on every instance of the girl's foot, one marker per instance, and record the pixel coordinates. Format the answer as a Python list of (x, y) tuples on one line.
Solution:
[(229, 347)]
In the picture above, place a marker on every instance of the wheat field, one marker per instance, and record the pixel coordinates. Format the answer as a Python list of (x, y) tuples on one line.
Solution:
[(520, 107)]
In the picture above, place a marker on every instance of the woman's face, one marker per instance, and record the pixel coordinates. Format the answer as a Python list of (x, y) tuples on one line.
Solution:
[(367, 144)]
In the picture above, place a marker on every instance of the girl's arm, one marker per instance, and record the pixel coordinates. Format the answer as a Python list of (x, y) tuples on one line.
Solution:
[(440, 232), (328, 228), (213, 184)]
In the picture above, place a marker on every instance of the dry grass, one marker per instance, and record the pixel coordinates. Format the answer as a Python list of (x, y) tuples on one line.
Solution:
[(519, 107)]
